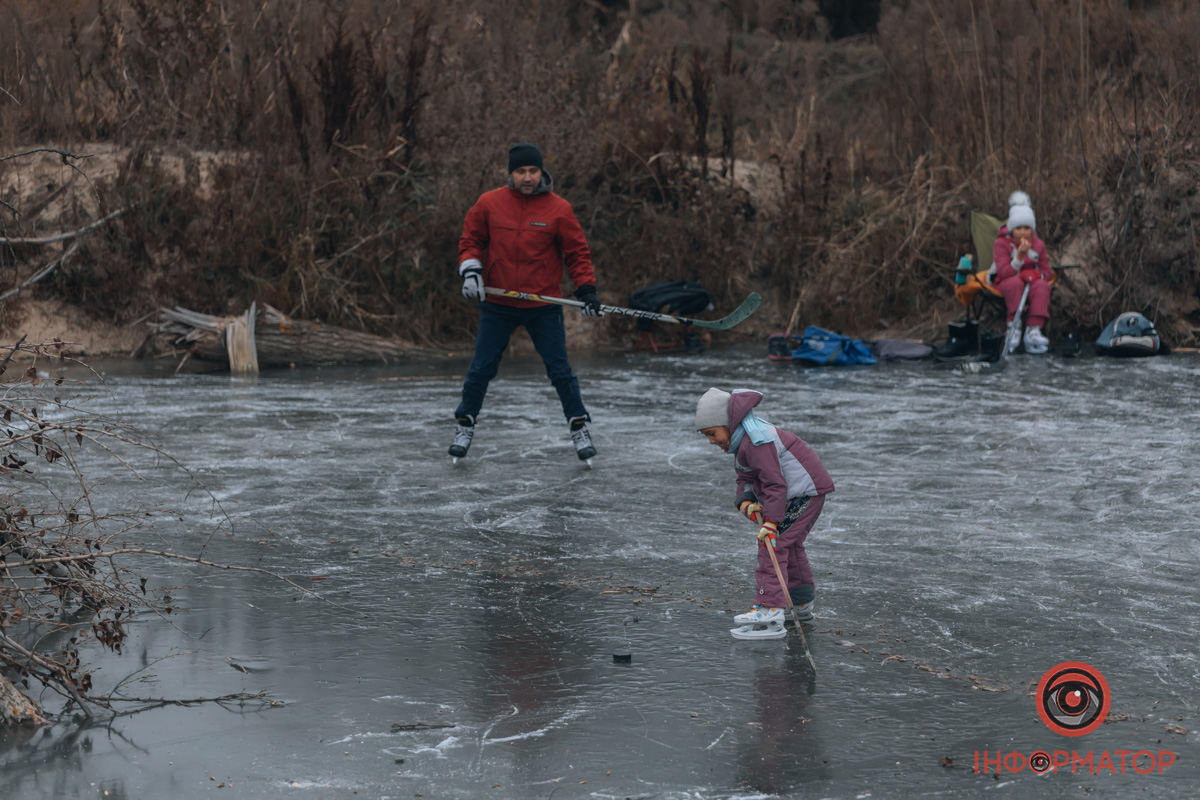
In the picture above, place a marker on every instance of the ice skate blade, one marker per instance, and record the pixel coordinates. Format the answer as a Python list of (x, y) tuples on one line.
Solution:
[(589, 463), (453, 459), (972, 367), (748, 633)]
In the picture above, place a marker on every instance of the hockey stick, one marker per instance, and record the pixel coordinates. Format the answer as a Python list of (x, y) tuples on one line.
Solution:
[(795, 616), (1016, 320), (748, 307)]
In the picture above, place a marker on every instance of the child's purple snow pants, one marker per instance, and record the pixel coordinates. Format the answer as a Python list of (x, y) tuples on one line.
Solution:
[(789, 551)]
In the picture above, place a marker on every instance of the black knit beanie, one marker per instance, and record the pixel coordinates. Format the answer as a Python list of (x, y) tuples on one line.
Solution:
[(524, 154)]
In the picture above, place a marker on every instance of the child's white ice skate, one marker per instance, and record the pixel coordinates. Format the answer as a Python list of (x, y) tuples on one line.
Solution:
[(759, 613), (760, 622), (1036, 343), (1014, 338)]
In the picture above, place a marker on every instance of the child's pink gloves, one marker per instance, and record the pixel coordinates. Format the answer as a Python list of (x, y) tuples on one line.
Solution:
[(767, 534), (753, 511)]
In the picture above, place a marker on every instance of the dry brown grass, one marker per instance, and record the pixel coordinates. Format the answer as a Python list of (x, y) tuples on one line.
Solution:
[(366, 129)]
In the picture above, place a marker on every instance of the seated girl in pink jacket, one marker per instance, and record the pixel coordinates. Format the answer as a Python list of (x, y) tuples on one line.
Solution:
[(1020, 259), (781, 487)]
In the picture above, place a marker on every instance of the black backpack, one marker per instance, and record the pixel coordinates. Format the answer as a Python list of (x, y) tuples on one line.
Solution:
[(681, 298)]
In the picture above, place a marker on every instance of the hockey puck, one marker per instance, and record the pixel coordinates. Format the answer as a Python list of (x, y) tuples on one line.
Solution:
[(623, 658)]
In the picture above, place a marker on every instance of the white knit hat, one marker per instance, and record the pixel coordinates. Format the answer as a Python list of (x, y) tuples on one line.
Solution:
[(713, 410), (1019, 216), (1019, 198)]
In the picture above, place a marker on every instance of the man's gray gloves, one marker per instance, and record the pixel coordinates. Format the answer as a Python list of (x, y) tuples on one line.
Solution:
[(591, 307), (472, 274)]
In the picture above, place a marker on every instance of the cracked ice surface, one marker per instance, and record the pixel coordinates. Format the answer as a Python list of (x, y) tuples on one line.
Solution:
[(985, 527)]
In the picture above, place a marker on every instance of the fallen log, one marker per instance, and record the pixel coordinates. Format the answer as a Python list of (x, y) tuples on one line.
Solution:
[(16, 708), (278, 340)]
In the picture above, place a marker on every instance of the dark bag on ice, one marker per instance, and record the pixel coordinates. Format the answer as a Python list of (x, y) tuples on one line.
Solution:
[(679, 298), (781, 345)]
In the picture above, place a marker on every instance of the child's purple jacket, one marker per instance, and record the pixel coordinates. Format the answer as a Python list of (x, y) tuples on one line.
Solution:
[(777, 470)]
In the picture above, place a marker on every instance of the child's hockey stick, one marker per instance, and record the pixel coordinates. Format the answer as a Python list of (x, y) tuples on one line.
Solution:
[(748, 307), (1012, 326), (795, 617)]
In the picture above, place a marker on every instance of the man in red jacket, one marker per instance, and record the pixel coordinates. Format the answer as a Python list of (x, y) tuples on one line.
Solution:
[(520, 237)]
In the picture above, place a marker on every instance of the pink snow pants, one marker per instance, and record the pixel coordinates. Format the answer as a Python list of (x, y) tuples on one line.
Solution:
[(793, 561), (1037, 305)]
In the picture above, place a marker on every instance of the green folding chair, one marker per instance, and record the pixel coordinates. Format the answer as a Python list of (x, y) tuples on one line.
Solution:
[(983, 301)]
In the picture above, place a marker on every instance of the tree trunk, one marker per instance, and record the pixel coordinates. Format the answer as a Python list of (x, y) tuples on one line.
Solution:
[(281, 341), (16, 708), (302, 343)]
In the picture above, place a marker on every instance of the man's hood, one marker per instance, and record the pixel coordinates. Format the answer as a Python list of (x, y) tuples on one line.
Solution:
[(547, 184)]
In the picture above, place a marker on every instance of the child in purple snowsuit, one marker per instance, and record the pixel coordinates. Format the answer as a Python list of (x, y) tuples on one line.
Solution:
[(781, 486)]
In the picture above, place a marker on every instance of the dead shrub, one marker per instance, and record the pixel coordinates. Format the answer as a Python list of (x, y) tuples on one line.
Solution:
[(367, 130)]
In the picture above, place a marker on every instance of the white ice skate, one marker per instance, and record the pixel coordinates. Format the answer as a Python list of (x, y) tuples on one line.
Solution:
[(760, 622), (1014, 338), (1036, 343), (759, 613)]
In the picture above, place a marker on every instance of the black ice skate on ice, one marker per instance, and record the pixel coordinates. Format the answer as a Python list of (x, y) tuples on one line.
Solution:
[(463, 431), (582, 440)]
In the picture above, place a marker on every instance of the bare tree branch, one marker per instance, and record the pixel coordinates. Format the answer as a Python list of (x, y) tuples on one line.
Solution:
[(63, 154), (12, 352), (65, 575), (118, 551), (59, 237), (49, 268)]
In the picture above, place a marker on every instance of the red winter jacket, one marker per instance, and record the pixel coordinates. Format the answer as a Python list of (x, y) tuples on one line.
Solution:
[(528, 241), (1004, 255)]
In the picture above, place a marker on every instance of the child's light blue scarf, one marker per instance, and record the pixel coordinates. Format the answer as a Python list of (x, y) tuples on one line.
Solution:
[(759, 430)]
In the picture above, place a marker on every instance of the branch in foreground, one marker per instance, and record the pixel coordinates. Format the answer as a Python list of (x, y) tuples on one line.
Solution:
[(241, 698), (60, 237), (12, 351), (116, 551), (63, 154), (49, 268)]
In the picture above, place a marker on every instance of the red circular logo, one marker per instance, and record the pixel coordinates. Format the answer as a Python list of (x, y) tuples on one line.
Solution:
[(1073, 698)]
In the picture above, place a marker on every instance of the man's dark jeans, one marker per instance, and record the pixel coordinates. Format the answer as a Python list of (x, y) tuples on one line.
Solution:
[(545, 327)]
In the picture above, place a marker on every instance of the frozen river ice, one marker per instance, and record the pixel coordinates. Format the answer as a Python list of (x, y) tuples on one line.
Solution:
[(984, 528)]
